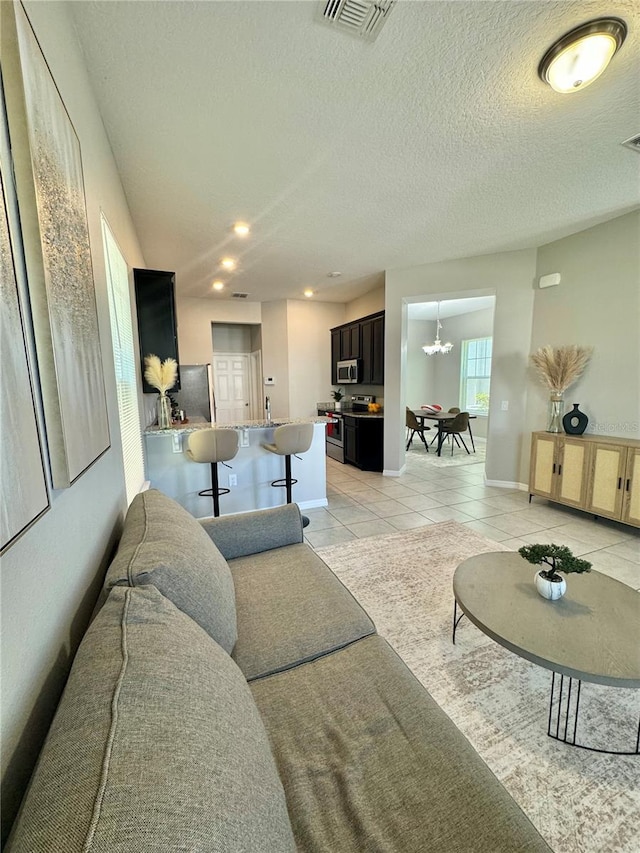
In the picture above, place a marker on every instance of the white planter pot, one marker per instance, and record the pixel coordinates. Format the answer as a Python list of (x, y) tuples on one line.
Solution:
[(337, 405), (550, 589)]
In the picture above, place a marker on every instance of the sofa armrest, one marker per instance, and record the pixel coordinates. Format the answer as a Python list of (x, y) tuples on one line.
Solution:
[(253, 532)]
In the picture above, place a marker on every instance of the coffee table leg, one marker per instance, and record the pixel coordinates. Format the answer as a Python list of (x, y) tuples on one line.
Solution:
[(456, 619), (566, 730)]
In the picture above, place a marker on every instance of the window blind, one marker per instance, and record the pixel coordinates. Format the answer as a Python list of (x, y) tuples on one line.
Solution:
[(124, 362)]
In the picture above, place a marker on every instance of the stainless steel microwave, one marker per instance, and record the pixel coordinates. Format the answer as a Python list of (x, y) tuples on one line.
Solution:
[(348, 371)]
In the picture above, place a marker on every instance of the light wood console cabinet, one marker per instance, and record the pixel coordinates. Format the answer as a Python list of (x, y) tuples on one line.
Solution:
[(596, 473)]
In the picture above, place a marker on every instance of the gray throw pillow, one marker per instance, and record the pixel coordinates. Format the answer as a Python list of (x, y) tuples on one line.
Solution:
[(163, 545), (156, 745)]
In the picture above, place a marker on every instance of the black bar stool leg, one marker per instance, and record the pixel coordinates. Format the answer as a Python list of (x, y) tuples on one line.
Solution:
[(214, 489), (287, 474)]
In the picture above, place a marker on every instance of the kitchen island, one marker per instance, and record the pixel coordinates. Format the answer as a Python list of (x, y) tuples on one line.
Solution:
[(171, 471)]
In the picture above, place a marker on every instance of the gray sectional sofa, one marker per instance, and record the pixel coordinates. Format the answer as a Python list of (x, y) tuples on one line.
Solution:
[(230, 695)]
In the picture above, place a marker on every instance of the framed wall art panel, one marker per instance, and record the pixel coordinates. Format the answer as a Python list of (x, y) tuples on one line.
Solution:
[(51, 200), (23, 496)]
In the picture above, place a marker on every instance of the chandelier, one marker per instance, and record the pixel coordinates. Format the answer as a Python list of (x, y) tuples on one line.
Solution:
[(437, 346)]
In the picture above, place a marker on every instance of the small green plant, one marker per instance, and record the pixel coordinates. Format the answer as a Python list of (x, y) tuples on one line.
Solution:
[(558, 557), (337, 395), (482, 401)]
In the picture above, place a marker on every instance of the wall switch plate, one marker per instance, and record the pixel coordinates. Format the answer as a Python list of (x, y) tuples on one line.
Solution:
[(269, 380), (505, 406), (233, 479), (244, 438), (176, 441)]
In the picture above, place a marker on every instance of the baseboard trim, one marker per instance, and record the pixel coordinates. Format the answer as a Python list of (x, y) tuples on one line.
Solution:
[(506, 484), (313, 504), (387, 472)]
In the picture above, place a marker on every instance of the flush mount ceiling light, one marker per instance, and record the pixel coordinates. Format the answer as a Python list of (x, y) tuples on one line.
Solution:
[(228, 263), (308, 292), (437, 346), (218, 285), (581, 55), (241, 229)]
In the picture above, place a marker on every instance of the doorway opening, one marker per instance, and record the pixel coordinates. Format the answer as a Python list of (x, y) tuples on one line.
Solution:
[(236, 372), (458, 379)]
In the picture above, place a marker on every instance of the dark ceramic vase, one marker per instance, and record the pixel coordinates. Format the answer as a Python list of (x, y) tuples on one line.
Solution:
[(575, 422)]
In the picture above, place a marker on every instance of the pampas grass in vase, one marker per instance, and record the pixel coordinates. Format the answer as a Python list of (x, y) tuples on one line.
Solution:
[(161, 375), (558, 368)]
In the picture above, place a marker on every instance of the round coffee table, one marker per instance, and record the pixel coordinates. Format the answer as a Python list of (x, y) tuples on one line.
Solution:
[(590, 634)]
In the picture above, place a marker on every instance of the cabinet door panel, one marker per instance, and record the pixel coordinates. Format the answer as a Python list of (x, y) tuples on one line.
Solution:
[(631, 512), (541, 479), (571, 489), (606, 480)]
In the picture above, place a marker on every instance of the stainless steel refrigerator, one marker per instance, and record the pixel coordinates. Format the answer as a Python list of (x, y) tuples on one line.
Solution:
[(196, 391)]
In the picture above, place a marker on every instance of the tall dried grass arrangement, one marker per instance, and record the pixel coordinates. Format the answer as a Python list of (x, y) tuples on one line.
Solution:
[(560, 367), (162, 375)]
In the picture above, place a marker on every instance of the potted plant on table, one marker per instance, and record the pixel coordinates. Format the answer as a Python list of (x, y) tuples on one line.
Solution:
[(337, 396), (559, 559)]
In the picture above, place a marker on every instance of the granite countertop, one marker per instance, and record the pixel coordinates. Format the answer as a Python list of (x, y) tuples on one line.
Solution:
[(197, 424), (363, 414)]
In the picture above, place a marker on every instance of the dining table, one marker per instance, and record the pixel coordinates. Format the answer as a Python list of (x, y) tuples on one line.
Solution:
[(442, 418)]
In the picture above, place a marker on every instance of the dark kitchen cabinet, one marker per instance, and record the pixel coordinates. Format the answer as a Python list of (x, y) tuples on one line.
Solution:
[(350, 341), (335, 355), (157, 331), (372, 344), (364, 340), (364, 442)]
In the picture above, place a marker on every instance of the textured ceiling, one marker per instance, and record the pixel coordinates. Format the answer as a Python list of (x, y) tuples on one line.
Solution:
[(437, 141)]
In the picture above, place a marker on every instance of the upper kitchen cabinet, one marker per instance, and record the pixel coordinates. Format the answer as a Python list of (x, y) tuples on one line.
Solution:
[(362, 339), (372, 347), (350, 341), (155, 305)]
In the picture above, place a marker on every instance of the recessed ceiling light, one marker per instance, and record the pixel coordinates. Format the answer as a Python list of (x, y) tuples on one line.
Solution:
[(228, 263), (581, 55), (308, 292), (333, 274), (241, 229), (218, 285)]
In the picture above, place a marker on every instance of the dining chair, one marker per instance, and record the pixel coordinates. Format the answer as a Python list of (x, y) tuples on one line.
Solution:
[(453, 410), (454, 428), (413, 427)]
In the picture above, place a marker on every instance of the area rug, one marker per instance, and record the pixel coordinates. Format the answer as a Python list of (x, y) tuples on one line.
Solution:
[(417, 454), (581, 802)]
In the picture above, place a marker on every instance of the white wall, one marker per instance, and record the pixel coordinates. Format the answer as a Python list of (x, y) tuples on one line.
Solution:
[(370, 303), (51, 576), (420, 387), (309, 354), (230, 338), (597, 303), (510, 277), (195, 317), (275, 356)]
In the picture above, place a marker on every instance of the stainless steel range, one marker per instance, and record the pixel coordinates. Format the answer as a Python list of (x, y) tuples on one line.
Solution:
[(335, 426)]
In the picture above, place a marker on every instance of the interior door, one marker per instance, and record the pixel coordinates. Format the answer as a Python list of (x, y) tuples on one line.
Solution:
[(231, 383)]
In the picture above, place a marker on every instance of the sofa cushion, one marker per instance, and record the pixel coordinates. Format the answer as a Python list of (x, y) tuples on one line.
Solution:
[(375, 764), (156, 745), (291, 608), (162, 544)]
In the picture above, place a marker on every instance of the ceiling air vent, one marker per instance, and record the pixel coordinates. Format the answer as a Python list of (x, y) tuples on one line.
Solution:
[(633, 143), (238, 295), (363, 18)]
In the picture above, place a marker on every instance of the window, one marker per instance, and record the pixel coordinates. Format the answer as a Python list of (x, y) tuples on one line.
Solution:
[(124, 362), (475, 375)]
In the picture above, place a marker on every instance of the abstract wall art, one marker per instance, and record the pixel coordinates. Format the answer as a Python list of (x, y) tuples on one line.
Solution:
[(24, 496), (51, 200)]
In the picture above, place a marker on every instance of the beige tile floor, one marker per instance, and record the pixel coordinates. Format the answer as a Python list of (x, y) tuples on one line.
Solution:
[(362, 503)]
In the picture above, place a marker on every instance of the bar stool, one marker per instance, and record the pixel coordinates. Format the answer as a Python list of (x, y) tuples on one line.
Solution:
[(213, 446), (289, 440)]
